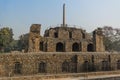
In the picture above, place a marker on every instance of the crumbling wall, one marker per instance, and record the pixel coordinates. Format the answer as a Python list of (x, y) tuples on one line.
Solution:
[(54, 60), (34, 38)]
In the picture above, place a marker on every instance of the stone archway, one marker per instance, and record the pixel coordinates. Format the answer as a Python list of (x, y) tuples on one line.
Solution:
[(17, 68), (65, 66), (42, 67), (118, 64), (75, 47), (90, 48), (86, 66), (59, 47), (105, 65), (41, 46)]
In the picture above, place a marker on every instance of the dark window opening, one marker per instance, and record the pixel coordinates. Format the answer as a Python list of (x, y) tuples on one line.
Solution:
[(56, 35), (59, 47), (46, 47), (65, 66), (86, 66), (90, 48), (118, 64), (73, 67), (75, 47), (17, 68), (70, 34), (41, 46), (105, 66), (42, 67), (73, 64), (46, 33)]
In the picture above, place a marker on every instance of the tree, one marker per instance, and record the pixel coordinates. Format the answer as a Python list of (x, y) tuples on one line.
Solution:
[(23, 42), (6, 37), (108, 43), (111, 38)]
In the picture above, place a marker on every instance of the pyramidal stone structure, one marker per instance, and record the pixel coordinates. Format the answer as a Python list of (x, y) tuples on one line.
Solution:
[(61, 50)]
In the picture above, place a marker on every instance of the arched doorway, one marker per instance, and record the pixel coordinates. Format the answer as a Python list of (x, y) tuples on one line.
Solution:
[(73, 64), (42, 67), (86, 66), (56, 34), (118, 64), (105, 65), (90, 48), (75, 47), (17, 68), (59, 47), (65, 66), (41, 46)]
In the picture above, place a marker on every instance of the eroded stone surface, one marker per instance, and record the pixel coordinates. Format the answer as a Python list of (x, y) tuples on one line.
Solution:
[(64, 39)]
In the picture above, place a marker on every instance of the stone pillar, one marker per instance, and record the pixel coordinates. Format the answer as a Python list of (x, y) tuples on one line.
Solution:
[(63, 15), (98, 40), (34, 38), (84, 46)]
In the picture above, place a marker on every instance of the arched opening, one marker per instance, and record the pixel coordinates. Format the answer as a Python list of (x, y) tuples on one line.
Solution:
[(105, 65), (56, 34), (73, 64), (65, 66), (45, 46), (90, 48), (42, 67), (17, 68), (118, 64), (86, 66), (59, 47), (41, 46), (75, 47)]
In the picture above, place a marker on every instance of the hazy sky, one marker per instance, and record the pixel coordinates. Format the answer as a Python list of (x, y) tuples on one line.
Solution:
[(89, 14)]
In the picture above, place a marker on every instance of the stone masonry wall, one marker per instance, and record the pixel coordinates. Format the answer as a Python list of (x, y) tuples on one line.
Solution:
[(53, 61), (98, 40)]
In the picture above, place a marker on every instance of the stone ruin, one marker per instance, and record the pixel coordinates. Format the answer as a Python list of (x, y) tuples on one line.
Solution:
[(64, 39)]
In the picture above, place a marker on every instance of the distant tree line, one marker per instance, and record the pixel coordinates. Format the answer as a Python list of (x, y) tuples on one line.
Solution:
[(8, 43), (111, 38)]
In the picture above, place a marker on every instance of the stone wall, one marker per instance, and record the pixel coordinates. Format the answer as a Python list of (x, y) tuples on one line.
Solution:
[(54, 62), (67, 45), (66, 33)]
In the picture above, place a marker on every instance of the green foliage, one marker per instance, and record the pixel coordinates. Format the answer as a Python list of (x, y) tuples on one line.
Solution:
[(7, 43), (14, 45), (6, 37), (23, 42), (111, 46), (108, 44), (111, 38)]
